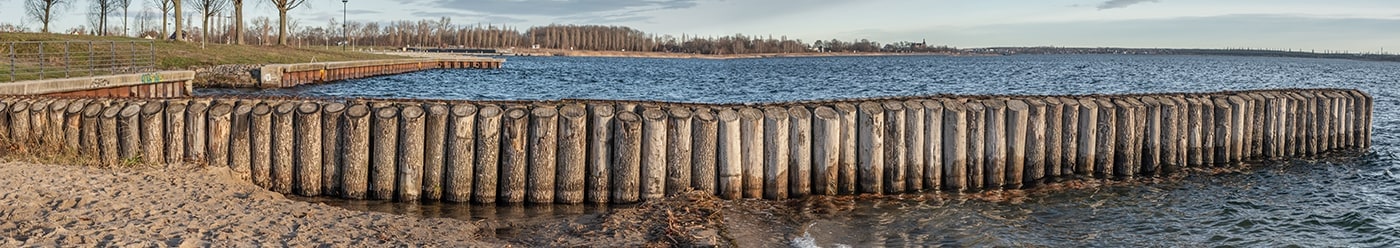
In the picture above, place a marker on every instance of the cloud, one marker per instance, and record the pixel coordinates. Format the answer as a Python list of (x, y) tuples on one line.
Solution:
[(1114, 4), (560, 8)]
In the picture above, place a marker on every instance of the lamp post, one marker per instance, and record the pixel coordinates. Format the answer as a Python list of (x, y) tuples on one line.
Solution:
[(344, 23)]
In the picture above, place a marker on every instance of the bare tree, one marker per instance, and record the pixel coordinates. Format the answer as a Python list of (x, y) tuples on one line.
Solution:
[(43, 10), (282, 7), (165, 6), (126, 8), (100, 9), (208, 9), (237, 21), (263, 27)]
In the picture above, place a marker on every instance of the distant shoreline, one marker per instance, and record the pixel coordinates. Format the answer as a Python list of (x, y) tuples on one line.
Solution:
[(980, 52), (666, 55)]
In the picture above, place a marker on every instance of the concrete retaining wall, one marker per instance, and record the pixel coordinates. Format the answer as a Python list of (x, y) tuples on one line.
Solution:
[(155, 84), (291, 75), (623, 152)]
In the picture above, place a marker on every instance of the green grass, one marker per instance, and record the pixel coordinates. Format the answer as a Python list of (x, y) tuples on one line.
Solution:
[(173, 55)]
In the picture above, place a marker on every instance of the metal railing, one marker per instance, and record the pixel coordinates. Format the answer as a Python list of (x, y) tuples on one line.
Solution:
[(37, 60)]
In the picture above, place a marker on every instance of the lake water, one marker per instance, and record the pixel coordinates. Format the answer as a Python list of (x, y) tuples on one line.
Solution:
[(1346, 201)]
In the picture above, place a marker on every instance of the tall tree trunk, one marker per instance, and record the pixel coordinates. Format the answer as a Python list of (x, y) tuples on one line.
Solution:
[(204, 36), (238, 22), (125, 11), (164, 25), (282, 26), (179, 21)]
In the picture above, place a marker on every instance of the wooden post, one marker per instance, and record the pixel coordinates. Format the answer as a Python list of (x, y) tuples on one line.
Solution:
[(283, 147), (260, 143), (653, 154), (384, 140), (1088, 126), (461, 146), (19, 121), (1322, 117), (332, 146), (435, 137), (933, 145), (600, 143), (1170, 137), (627, 167), (976, 144), (240, 136), (1256, 135), (1018, 125), (1237, 136), (1054, 138), (409, 186), (153, 132), (729, 160), (1035, 145), (544, 151), (1191, 129), (1208, 131), (870, 133), (995, 168), (955, 146), (896, 163), (678, 154), (197, 131), (89, 143), (1107, 139), (704, 151), (1150, 137), (354, 179), (800, 146), (307, 165), (108, 138), (55, 128), (72, 124), (1125, 145), (1246, 145), (751, 132), (5, 119), (218, 137), (846, 170), (914, 145), (1272, 143), (39, 122), (1222, 127), (826, 150), (1311, 117), (776, 153), (1069, 126), (514, 159), (129, 132), (175, 132), (573, 149)]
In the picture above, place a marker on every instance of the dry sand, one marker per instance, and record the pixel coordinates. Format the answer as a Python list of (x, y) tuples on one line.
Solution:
[(186, 206)]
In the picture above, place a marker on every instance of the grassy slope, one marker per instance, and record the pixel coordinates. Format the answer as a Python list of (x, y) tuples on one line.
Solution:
[(185, 55)]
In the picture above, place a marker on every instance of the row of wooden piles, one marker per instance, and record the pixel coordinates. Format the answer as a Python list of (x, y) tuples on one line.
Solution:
[(624, 152)]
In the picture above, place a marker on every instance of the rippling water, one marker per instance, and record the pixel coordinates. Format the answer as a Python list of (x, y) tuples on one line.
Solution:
[(1346, 201)]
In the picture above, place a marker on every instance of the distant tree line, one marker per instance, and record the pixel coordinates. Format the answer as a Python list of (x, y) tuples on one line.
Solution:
[(441, 32)]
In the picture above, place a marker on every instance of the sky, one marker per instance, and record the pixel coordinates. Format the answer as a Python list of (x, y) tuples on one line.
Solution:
[(1320, 25)]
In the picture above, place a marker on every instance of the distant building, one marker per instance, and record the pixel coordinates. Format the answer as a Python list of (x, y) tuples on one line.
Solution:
[(923, 44)]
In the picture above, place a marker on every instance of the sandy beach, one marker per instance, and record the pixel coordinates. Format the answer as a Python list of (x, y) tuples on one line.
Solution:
[(188, 206)]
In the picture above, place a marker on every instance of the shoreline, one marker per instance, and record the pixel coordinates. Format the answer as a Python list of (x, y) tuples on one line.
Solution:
[(667, 55)]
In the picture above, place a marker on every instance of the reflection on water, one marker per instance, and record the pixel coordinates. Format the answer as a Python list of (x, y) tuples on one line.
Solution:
[(1349, 201)]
